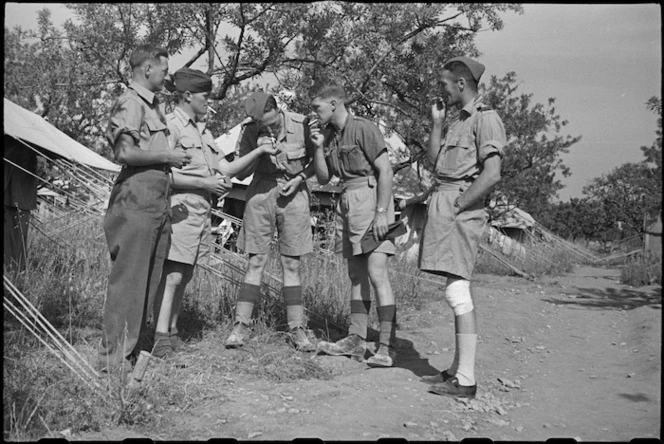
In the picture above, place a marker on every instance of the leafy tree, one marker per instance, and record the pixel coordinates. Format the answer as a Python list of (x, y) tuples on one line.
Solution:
[(387, 55), (632, 192), (533, 155)]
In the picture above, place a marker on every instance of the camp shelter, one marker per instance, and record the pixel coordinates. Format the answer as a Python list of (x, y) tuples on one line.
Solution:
[(34, 130), (514, 223), (653, 237)]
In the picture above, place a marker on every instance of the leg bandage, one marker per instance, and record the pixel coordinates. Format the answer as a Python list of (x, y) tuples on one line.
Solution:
[(457, 293)]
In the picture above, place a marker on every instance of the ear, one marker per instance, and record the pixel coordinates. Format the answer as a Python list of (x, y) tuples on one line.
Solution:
[(147, 69), (462, 83)]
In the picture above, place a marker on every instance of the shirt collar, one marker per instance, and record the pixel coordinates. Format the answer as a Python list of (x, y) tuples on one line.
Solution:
[(142, 91), (183, 116), (471, 106)]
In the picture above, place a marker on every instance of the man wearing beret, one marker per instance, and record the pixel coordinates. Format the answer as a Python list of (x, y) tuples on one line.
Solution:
[(277, 198), (137, 224), (467, 165), (195, 187)]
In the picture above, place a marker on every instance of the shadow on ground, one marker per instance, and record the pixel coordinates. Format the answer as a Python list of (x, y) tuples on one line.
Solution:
[(612, 299)]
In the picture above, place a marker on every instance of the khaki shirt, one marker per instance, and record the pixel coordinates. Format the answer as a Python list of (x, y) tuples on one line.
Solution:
[(478, 133), (350, 152), (297, 150), (136, 113), (185, 134)]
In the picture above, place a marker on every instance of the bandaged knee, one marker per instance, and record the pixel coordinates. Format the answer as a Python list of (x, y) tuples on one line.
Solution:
[(457, 293)]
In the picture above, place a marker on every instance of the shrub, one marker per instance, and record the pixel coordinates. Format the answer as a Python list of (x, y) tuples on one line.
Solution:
[(642, 270)]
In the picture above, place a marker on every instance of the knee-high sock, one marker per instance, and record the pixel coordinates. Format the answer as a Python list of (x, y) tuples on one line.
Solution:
[(294, 308), (387, 316), (359, 318), (467, 344), (246, 300)]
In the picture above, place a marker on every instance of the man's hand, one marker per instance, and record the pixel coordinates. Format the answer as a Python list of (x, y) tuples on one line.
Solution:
[(402, 204), (216, 184), (438, 110), (178, 158), (315, 133), (291, 186), (270, 149), (380, 226)]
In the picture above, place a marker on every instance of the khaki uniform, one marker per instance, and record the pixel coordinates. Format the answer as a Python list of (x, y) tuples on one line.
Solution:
[(136, 225), (349, 155), (265, 207), (449, 243), (191, 226)]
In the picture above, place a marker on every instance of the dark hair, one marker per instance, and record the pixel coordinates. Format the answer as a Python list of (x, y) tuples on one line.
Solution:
[(270, 104), (143, 53), (328, 90), (460, 70)]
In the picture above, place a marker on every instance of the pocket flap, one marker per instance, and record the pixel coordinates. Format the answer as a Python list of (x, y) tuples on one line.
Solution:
[(296, 154), (155, 125), (463, 141)]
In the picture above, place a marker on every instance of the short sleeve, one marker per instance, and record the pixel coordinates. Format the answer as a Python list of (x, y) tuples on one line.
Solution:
[(126, 118), (248, 139), (371, 140), (173, 133), (490, 135)]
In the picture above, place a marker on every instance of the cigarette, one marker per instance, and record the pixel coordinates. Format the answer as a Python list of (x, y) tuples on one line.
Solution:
[(211, 110)]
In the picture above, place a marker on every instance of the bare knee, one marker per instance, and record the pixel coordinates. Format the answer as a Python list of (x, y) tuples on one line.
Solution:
[(291, 265), (255, 266)]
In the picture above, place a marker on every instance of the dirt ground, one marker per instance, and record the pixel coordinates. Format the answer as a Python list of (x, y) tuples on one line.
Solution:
[(576, 356)]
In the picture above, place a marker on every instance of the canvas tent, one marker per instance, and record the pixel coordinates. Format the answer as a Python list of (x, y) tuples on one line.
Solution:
[(27, 126)]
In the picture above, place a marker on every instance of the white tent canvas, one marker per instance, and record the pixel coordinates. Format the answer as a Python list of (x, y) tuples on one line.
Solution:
[(29, 127)]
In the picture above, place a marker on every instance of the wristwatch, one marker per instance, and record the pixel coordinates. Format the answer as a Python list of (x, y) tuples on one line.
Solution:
[(381, 210)]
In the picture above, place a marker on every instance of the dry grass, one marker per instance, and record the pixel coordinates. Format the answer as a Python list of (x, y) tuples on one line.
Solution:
[(66, 280)]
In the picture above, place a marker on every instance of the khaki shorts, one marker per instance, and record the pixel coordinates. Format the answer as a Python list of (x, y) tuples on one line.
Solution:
[(355, 211), (449, 244), (266, 210), (191, 234)]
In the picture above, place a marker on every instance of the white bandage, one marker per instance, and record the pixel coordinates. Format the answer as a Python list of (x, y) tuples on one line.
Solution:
[(457, 293)]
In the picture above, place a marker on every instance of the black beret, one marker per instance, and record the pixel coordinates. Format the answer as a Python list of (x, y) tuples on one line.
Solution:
[(192, 80), (476, 68), (254, 105)]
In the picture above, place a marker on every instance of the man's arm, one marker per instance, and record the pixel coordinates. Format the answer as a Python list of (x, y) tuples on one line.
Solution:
[(127, 152), (383, 193), (438, 112), (319, 162), (489, 177)]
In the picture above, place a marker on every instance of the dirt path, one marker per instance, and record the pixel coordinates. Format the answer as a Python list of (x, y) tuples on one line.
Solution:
[(577, 356)]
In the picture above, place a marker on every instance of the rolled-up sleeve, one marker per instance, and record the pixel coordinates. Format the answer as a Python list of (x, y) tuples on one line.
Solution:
[(126, 118), (490, 136), (371, 140)]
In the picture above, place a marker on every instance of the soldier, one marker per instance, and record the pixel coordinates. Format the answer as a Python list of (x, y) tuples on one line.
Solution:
[(353, 149), (467, 164), (277, 198), (195, 187), (137, 224)]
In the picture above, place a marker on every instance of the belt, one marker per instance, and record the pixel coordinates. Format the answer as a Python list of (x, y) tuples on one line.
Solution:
[(457, 185), (358, 182), (157, 167)]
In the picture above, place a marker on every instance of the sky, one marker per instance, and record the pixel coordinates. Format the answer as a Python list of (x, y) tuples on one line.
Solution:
[(601, 62)]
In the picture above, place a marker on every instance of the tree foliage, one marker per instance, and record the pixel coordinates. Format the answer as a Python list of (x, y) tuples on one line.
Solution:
[(387, 55), (533, 166), (632, 192)]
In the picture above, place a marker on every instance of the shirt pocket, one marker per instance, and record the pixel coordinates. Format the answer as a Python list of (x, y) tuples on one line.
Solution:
[(352, 159), (455, 156), (295, 158), (158, 133)]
